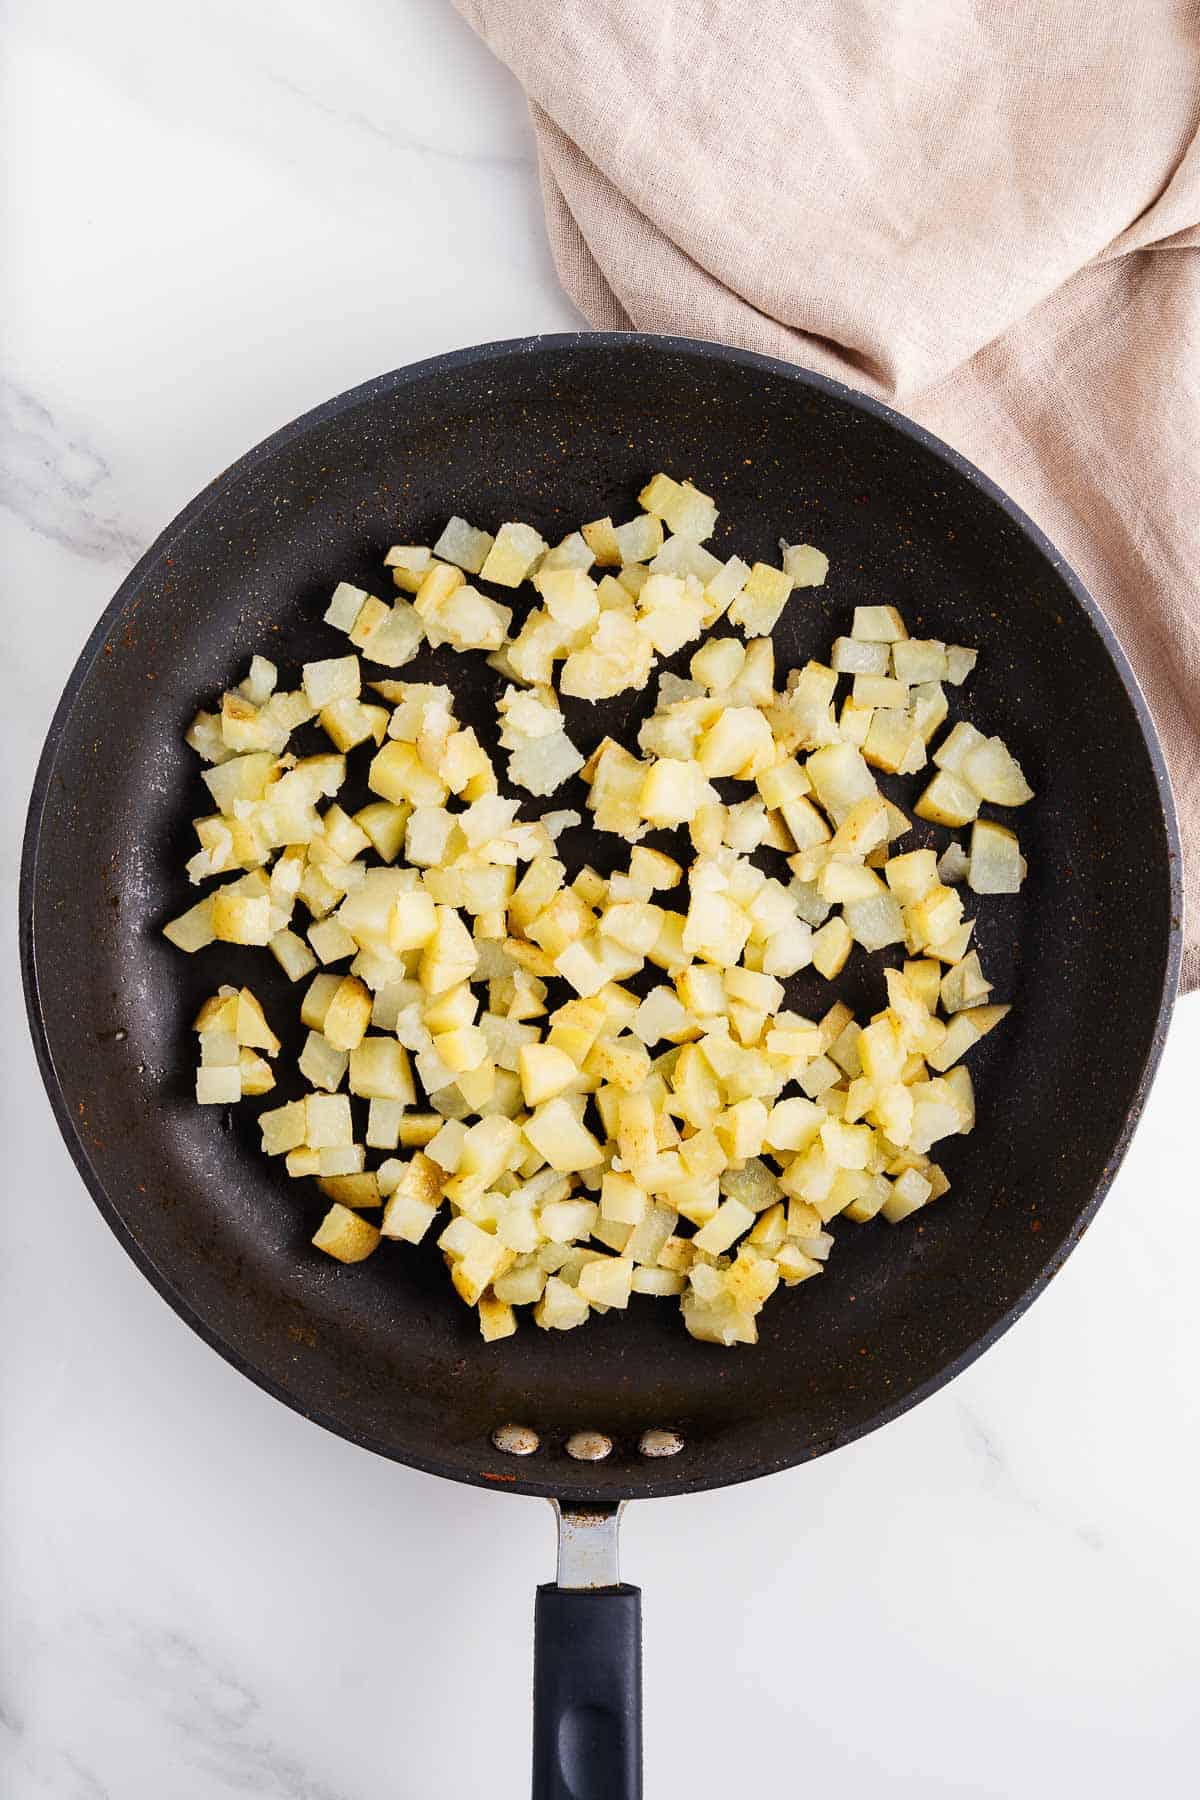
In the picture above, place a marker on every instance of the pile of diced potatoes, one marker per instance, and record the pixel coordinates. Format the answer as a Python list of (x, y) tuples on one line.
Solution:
[(583, 1086)]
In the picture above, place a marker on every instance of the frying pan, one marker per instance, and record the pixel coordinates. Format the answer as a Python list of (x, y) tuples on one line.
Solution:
[(557, 430)]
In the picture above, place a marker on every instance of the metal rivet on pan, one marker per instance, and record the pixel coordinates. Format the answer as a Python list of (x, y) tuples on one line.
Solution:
[(660, 1443), (515, 1440), (589, 1446)]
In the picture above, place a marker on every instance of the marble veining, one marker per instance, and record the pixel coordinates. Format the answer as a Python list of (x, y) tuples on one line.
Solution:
[(54, 482), (396, 136), (999, 1480)]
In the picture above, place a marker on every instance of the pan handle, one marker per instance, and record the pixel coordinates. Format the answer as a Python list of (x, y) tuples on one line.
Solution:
[(587, 1667)]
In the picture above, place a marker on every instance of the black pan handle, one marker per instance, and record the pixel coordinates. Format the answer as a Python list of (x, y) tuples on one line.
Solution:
[(587, 1670)]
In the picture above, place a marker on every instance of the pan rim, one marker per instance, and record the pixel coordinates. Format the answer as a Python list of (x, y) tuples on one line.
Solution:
[(668, 1480)]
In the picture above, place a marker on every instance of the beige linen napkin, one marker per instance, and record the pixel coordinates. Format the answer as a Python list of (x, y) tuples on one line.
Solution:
[(984, 211)]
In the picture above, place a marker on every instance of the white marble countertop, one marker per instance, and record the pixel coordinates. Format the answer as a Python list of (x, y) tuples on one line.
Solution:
[(220, 215)]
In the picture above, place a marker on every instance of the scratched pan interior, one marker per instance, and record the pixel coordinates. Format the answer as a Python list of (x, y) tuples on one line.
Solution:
[(557, 431)]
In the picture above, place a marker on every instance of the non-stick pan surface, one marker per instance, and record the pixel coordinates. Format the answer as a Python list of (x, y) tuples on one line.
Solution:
[(556, 431)]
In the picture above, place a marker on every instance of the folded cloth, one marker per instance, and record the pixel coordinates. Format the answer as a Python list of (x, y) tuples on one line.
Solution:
[(984, 211)]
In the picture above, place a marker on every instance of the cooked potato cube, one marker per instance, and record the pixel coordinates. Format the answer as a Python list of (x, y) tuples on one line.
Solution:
[(893, 742), (466, 619), (935, 915), (878, 625), (909, 1192), (379, 1070), (322, 1064), (292, 954), (545, 1071), (875, 921), (880, 690), (602, 541), (415, 1193), (855, 656), (331, 941), (964, 985), (618, 657), (994, 773), (716, 929), (283, 1128), (831, 945), (607, 1281), (727, 1224), (560, 1308), (995, 865), (336, 678), (570, 596), (241, 918), (840, 778), (348, 1014), (540, 765), (948, 800), (561, 1139), (737, 743), (672, 792), (684, 509), (345, 1235), (464, 545), (219, 1085), (959, 663), (762, 599), (918, 660), (515, 552)]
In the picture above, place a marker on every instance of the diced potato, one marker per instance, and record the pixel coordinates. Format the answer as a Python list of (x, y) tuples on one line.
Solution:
[(239, 918), (464, 545), (909, 1192), (346, 1235), (952, 864), (878, 625), (379, 1070), (603, 543), (875, 921), (994, 773), (218, 1086), (995, 864), (919, 659), (934, 916), (831, 946), (912, 875), (738, 743), (336, 678), (854, 656), (331, 941), (763, 597), (840, 778), (948, 800), (322, 1064), (561, 1139), (672, 792), (686, 1083), (283, 1128), (560, 1308), (806, 565), (617, 657), (964, 985), (292, 954), (514, 553), (465, 618), (607, 1281), (348, 1014)]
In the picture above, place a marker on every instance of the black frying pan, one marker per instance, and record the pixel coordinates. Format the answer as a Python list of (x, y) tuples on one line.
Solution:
[(557, 430)]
